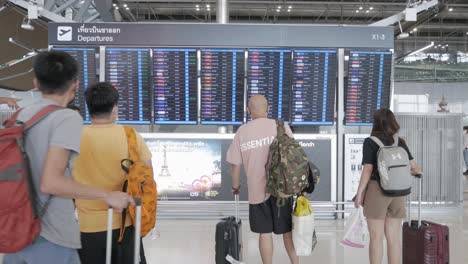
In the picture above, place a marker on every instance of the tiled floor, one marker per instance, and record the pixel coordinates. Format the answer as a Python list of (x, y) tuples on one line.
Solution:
[(192, 242)]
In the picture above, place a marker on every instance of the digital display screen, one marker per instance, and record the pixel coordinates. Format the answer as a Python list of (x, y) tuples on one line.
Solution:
[(269, 74), (175, 84), (369, 86), (128, 69), (195, 169), (86, 58), (313, 87), (186, 169), (222, 86)]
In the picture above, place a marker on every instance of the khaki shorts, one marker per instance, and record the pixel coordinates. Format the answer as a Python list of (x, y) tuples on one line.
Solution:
[(379, 206)]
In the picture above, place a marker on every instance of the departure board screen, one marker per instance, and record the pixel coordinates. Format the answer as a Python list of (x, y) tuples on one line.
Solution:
[(86, 58), (222, 86), (269, 74), (128, 69), (313, 87), (175, 86), (368, 88)]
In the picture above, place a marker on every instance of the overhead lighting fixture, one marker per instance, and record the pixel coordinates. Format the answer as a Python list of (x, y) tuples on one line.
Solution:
[(446, 45), (467, 33), (277, 10), (360, 8), (198, 9), (197, 6), (125, 5), (367, 11), (26, 25), (289, 7), (421, 49), (415, 29), (17, 43), (402, 35), (116, 8), (450, 9), (127, 8), (440, 45), (279, 7), (357, 11), (371, 8), (207, 6), (289, 10), (114, 5), (82, 1)]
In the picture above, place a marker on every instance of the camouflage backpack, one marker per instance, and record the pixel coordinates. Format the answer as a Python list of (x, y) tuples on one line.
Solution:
[(287, 167)]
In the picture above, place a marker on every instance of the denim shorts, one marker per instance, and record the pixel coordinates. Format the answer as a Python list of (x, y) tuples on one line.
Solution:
[(43, 252)]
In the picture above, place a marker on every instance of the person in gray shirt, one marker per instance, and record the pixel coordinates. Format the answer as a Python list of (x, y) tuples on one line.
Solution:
[(52, 145)]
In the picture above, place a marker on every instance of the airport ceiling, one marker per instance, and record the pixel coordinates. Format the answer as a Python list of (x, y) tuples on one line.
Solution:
[(447, 24)]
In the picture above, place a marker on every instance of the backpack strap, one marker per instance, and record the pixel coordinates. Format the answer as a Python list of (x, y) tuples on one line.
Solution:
[(12, 120), (280, 127), (132, 157), (377, 141), (40, 115), (132, 143)]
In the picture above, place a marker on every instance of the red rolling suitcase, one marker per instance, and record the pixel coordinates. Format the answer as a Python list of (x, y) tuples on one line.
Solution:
[(424, 242)]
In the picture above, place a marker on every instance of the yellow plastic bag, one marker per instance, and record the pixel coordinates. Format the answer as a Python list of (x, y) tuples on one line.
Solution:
[(303, 207)]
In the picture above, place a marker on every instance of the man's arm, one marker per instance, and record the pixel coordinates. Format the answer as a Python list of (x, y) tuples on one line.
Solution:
[(235, 171), (54, 182)]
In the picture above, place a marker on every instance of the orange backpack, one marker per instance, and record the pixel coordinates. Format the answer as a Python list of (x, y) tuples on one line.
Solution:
[(139, 183)]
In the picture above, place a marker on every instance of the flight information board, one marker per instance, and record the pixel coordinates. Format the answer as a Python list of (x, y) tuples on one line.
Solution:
[(86, 58), (368, 88), (175, 86), (269, 74), (128, 69), (222, 86), (313, 87)]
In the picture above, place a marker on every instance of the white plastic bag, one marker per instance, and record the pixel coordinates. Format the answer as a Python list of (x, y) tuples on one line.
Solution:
[(303, 232), (356, 233)]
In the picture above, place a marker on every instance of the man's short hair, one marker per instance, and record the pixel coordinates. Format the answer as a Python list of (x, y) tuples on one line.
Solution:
[(55, 71), (101, 98)]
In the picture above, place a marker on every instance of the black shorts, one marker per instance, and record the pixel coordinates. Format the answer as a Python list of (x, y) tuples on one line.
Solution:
[(94, 247), (267, 217)]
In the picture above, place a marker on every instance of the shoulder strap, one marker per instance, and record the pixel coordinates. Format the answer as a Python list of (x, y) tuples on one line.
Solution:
[(377, 141), (279, 127), (12, 120), (132, 143), (40, 115)]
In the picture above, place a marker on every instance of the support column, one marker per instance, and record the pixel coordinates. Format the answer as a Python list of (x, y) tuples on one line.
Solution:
[(222, 12)]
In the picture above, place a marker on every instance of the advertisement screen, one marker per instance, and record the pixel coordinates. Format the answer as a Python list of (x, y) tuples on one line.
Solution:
[(187, 168)]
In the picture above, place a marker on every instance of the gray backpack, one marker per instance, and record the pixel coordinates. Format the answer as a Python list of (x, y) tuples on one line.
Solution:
[(394, 168)]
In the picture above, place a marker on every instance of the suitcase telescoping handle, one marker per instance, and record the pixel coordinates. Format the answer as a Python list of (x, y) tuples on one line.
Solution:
[(110, 214), (419, 192), (236, 206)]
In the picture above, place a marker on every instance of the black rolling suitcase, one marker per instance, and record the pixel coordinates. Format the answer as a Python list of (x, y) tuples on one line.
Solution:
[(229, 237), (137, 225)]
